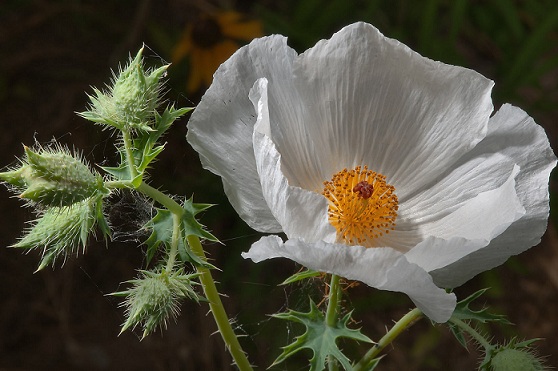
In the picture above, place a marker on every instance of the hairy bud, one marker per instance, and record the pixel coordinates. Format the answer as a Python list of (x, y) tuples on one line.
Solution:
[(54, 178), (131, 102), (64, 230), (515, 356), (155, 297)]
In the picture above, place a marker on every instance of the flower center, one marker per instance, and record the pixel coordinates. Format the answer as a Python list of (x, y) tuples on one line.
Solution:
[(362, 206)]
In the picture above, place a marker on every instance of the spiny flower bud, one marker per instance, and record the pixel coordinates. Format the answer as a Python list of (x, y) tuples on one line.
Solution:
[(54, 177), (63, 230), (155, 297), (131, 102)]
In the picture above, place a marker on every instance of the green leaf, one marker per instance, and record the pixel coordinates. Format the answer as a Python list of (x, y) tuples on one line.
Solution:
[(309, 273), (319, 337), (145, 143), (465, 313)]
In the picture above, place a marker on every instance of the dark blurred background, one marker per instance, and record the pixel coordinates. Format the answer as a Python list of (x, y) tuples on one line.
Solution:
[(52, 52)]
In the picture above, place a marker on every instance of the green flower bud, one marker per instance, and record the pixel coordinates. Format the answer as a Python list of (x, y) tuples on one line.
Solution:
[(516, 360), (131, 102), (155, 297), (63, 230), (54, 178), (515, 356)]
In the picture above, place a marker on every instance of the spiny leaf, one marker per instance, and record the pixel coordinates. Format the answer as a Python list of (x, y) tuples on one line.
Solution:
[(463, 312), (191, 226), (319, 337), (161, 227)]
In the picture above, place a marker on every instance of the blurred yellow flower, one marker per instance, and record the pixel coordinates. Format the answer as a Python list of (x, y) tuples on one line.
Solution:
[(210, 40)]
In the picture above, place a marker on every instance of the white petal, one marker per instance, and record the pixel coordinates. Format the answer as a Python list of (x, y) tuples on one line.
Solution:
[(437, 209), (469, 228), (371, 100), (513, 133), (382, 268), (221, 127), (483, 217), (301, 213)]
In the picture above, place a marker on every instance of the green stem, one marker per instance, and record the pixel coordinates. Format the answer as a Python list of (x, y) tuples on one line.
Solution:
[(332, 313), (472, 332), (404, 323), (129, 155), (218, 310), (333, 302), (173, 206), (174, 241)]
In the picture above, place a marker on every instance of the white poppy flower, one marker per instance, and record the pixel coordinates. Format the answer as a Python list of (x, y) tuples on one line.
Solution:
[(378, 164)]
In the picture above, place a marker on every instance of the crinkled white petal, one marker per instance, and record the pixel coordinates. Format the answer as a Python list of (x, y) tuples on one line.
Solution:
[(370, 100), (221, 127), (470, 228), (454, 205), (514, 134), (301, 213), (382, 268)]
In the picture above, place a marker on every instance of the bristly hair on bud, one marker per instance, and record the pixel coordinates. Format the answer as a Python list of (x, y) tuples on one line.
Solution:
[(62, 231), (155, 297), (53, 177), (130, 103), (514, 356)]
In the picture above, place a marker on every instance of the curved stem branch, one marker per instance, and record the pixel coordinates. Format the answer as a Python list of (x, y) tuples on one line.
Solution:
[(404, 323), (173, 206), (472, 332)]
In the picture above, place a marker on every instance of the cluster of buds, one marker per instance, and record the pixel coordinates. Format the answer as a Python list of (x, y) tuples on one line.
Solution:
[(67, 196)]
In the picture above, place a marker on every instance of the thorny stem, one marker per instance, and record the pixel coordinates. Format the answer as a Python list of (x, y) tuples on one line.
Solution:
[(208, 284), (333, 312), (218, 310), (472, 332), (176, 235), (404, 323), (129, 155)]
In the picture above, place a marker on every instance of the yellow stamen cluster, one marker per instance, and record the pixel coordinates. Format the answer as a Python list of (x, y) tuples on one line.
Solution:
[(362, 206)]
